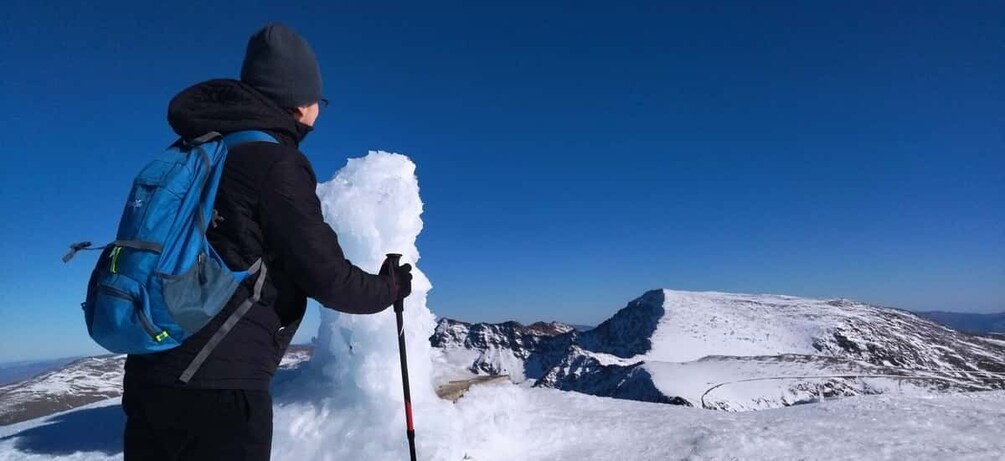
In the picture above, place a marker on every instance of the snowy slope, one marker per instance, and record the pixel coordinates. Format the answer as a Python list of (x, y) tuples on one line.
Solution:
[(758, 383), (697, 325), (583, 428), (13, 372), (505, 423), (82, 382), (499, 349), (671, 346)]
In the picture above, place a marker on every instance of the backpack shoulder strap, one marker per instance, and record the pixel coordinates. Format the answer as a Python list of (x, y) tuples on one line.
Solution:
[(196, 363), (259, 269)]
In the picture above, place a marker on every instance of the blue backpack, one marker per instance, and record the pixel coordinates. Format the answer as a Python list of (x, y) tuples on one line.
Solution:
[(160, 281)]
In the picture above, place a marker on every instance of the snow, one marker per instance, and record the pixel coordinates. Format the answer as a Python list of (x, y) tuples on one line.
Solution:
[(757, 351), (293, 358), (504, 422), (80, 376), (82, 381), (506, 363), (760, 383), (699, 324), (13, 372), (591, 428), (356, 388), (88, 433), (453, 364)]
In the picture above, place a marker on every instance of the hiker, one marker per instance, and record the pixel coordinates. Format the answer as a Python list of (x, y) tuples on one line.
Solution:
[(267, 209)]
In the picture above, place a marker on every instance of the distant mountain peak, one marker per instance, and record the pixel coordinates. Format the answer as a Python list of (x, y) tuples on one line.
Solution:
[(969, 322), (81, 382), (689, 341)]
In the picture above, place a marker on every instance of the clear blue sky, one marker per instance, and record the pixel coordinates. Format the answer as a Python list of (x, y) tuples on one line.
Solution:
[(571, 155)]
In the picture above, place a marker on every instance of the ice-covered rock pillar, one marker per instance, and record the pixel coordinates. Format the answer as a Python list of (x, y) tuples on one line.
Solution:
[(374, 206)]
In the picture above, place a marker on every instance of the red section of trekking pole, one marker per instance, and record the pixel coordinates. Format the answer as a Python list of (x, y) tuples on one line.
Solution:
[(408, 417), (399, 309)]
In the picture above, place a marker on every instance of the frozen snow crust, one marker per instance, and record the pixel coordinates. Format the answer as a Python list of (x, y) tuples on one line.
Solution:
[(506, 423)]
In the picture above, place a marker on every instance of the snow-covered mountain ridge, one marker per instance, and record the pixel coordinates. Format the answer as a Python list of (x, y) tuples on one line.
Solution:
[(969, 323), (666, 346), (673, 346), (80, 383), (507, 348)]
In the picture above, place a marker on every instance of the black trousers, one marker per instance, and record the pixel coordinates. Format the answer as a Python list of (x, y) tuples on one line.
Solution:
[(197, 424)]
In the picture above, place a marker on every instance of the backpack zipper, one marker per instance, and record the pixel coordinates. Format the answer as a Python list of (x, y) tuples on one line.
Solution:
[(116, 292), (144, 321), (115, 259)]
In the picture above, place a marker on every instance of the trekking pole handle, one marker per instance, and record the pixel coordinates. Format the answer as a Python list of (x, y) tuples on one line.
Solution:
[(394, 261)]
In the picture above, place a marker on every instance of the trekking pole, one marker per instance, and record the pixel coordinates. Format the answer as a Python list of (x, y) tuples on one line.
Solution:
[(399, 308)]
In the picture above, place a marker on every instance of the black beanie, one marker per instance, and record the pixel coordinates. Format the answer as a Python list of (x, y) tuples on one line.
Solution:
[(281, 64)]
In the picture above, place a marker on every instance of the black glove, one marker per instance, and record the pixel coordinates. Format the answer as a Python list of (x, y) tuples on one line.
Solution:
[(401, 279)]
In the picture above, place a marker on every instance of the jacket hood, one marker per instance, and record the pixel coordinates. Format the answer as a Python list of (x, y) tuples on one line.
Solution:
[(226, 106)]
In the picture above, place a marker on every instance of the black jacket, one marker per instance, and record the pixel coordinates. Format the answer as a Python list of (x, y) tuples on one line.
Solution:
[(270, 210)]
